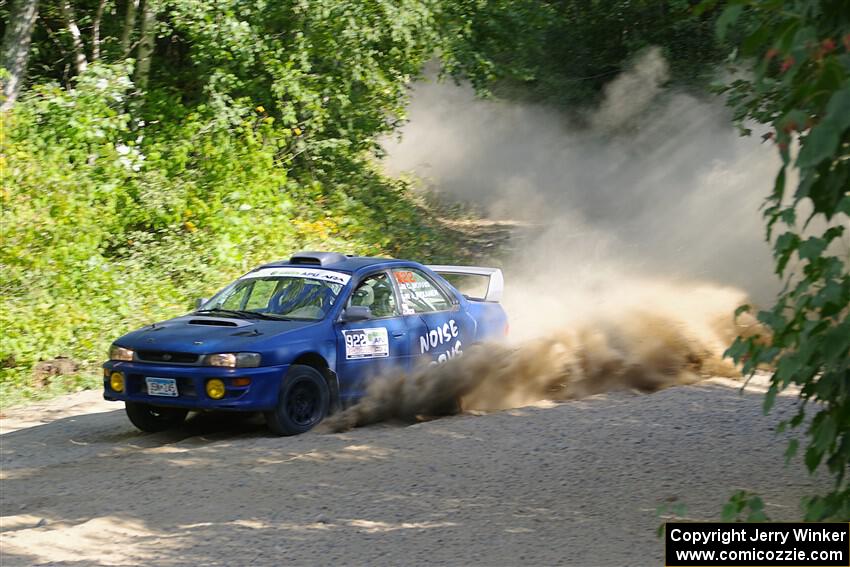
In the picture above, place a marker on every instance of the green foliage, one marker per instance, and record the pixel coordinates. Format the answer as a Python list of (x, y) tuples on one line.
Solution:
[(118, 210), (256, 134), (800, 55), (338, 71), (744, 506), (566, 52), (669, 511)]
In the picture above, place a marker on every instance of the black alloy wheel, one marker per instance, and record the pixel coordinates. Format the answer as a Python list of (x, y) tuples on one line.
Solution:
[(302, 404)]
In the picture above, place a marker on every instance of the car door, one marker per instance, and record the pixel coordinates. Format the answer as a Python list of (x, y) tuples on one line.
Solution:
[(447, 329), (374, 347)]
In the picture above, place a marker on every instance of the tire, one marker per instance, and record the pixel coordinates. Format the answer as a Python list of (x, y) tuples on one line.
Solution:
[(303, 402), (451, 406), (154, 419)]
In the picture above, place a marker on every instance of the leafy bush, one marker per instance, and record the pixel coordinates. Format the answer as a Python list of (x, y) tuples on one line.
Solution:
[(111, 222), (799, 54)]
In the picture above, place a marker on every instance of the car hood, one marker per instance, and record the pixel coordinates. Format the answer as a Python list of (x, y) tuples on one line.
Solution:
[(202, 334)]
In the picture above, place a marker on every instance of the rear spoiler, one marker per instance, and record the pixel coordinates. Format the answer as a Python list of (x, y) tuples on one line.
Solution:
[(495, 285)]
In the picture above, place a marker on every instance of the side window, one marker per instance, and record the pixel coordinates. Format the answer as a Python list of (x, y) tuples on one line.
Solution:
[(376, 292), (419, 294)]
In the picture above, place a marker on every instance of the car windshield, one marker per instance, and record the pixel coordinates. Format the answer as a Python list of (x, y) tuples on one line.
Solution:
[(275, 297)]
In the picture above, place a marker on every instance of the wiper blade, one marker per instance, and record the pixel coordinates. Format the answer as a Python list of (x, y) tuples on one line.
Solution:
[(246, 314), (242, 314), (270, 316)]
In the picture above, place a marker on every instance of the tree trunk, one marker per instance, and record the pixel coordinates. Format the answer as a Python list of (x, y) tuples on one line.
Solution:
[(16, 48), (80, 61), (129, 26), (95, 30), (146, 43)]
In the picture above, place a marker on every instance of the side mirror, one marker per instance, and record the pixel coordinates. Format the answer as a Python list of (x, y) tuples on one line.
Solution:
[(200, 301), (356, 313)]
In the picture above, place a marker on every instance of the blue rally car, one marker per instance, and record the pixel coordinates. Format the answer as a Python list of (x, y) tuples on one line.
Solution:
[(295, 339)]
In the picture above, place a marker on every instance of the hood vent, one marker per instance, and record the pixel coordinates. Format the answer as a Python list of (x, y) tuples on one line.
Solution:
[(214, 322), (251, 333), (317, 258)]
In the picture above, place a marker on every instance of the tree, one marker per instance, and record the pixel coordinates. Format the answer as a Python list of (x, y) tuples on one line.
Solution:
[(95, 31), (798, 56), (129, 25), (565, 52), (146, 43), (16, 48), (80, 60)]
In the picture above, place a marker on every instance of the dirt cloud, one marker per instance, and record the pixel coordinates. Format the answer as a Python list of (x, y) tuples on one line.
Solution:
[(648, 345), (637, 235), (653, 181)]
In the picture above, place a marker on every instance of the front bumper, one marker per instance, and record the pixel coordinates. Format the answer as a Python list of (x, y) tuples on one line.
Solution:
[(260, 395)]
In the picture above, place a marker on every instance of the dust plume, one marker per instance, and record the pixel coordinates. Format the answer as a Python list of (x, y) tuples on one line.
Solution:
[(653, 181), (636, 234), (648, 345)]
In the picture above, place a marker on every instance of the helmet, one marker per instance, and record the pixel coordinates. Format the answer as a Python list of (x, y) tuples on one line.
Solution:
[(363, 296)]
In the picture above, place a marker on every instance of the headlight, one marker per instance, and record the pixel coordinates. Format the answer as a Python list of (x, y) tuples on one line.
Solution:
[(120, 353), (234, 359)]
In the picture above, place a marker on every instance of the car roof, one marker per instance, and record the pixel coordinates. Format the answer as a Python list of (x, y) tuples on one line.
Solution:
[(334, 261)]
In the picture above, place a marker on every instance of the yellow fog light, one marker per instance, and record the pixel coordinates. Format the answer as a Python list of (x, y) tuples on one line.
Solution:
[(215, 389), (116, 382)]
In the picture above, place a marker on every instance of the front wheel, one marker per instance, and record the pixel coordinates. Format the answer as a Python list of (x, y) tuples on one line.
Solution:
[(153, 419), (303, 402)]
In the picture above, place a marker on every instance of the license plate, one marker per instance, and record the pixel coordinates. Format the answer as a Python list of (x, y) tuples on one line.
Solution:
[(161, 386)]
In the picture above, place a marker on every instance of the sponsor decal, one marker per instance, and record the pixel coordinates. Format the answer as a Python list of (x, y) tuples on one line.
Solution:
[(416, 285), (426, 293), (412, 289), (439, 337), (405, 277), (366, 343), (324, 275)]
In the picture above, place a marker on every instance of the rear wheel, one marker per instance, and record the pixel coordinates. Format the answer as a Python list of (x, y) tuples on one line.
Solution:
[(303, 402), (154, 419), (450, 406)]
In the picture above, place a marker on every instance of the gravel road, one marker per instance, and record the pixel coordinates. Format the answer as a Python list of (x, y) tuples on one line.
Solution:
[(575, 483)]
